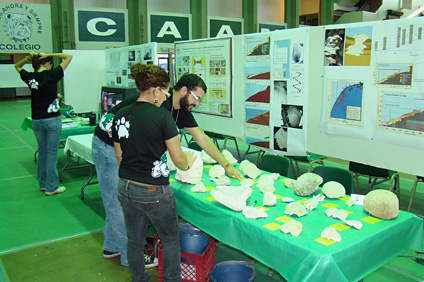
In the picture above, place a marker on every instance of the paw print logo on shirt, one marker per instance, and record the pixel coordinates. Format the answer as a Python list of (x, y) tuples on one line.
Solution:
[(122, 127), (33, 84)]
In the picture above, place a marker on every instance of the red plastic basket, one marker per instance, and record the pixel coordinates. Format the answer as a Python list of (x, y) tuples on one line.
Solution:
[(194, 267)]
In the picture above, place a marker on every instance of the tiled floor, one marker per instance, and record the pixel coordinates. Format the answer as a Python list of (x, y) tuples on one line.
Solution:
[(33, 227)]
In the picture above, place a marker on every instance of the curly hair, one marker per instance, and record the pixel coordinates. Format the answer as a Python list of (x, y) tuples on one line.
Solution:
[(191, 81), (147, 76), (37, 63)]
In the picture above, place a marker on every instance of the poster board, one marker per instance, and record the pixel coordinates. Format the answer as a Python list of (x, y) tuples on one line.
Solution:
[(361, 139), (83, 80), (120, 60)]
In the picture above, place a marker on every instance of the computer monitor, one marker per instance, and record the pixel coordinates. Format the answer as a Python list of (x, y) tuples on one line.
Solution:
[(112, 96)]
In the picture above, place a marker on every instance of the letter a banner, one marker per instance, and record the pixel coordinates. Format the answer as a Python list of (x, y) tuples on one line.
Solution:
[(25, 28), (169, 28)]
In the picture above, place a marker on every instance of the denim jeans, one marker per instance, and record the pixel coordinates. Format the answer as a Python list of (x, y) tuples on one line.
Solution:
[(47, 132), (107, 175), (156, 204)]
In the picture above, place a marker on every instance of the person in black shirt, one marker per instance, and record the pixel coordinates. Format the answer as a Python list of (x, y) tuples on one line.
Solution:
[(142, 132), (186, 94), (115, 233), (46, 121)]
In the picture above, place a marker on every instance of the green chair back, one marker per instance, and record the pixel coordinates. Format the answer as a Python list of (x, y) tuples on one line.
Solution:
[(343, 176), (193, 145), (275, 164)]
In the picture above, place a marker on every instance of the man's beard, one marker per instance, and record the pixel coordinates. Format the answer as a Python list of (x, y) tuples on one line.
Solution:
[(185, 105)]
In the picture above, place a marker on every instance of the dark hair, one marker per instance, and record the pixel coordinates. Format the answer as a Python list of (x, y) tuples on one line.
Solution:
[(147, 76), (191, 81), (37, 63)]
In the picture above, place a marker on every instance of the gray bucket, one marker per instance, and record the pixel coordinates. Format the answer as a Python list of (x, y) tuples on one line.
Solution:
[(233, 271)]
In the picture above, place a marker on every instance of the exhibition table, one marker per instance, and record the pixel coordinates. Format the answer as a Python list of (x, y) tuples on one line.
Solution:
[(307, 257), (80, 146), (74, 129)]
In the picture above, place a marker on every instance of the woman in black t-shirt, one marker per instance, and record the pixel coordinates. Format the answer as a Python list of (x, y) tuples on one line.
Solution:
[(46, 121), (142, 132)]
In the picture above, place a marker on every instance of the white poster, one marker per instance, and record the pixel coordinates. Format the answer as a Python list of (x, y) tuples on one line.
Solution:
[(120, 60), (275, 90), (373, 87), (25, 28), (211, 60)]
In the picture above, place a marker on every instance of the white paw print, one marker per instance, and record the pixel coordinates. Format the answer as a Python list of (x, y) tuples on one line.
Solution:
[(33, 84), (122, 127)]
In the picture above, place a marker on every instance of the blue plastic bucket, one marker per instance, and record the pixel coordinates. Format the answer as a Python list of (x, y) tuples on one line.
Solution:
[(192, 239), (233, 271)]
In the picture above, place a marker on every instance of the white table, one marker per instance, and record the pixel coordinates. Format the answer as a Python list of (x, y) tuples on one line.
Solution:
[(80, 146)]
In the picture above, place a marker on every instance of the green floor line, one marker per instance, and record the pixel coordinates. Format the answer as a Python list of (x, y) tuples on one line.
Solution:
[(403, 272), (40, 243)]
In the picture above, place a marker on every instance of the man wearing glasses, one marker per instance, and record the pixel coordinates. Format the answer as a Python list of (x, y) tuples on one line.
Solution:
[(186, 94)]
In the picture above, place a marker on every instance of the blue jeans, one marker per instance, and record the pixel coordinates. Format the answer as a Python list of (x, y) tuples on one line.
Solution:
[(107, 175), (156, 204), (47, 132)]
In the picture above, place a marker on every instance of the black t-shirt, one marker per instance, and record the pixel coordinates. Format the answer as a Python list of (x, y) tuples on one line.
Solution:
[(182, 118), (141, 129), (104, 129), (43, 85)]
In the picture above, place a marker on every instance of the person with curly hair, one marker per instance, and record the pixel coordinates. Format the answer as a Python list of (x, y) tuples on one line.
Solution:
[(142, 132)]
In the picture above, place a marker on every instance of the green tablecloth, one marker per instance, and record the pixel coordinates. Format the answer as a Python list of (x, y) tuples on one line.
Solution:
[(302, 258), (80, 129)]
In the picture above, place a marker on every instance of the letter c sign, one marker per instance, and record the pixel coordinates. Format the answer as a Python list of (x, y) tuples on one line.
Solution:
[(101, 26)]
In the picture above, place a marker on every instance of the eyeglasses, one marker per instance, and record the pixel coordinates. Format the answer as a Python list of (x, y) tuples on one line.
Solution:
[(197, 98), (167, 94)]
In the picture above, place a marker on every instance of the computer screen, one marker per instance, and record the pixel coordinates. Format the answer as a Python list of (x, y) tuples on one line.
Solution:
[(112, 96)]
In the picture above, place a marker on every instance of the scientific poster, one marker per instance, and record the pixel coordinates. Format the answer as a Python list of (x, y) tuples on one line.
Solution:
[(275, 91), (382, 98), (120, 60), (211, 60)]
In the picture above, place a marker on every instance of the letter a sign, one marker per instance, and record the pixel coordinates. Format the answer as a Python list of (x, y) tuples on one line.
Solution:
[(222, 27), (169, 28)]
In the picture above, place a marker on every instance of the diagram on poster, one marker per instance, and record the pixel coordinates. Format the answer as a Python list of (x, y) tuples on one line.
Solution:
[(281, 59), (401, 113), (257, 69), (259, 92), (394, 75), (258, 45), (345, 102), (358, 43), (212, 60)]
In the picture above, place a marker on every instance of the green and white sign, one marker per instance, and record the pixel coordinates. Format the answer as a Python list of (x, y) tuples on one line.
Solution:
[(169, 28), (267, 26), (222, 27)]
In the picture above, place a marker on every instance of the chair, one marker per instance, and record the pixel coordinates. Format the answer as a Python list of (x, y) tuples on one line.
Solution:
[(310, 159), (183, 134), (193, 145), (275, 164), (419, 179), (340, 175), (379, 175), (216, 136)]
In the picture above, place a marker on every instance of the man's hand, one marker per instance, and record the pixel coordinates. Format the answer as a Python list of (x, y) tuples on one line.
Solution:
[(191, 157), (234, 173)]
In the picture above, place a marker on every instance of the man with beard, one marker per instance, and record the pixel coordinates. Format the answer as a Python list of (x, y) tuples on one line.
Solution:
[(186, 94)]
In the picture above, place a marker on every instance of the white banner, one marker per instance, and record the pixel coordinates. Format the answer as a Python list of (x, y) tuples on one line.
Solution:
[(25, 28)]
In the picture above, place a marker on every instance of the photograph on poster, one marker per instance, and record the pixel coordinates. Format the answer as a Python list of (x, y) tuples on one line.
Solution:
[(131, 55), (280, 92), (297, 53), (280, 139), (292, 116), (333, 50)]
